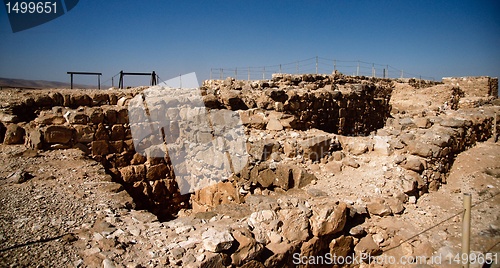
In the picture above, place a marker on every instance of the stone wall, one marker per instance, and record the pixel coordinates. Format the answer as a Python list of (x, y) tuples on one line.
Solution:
[(477, 86), (281, 118), (334, 103)]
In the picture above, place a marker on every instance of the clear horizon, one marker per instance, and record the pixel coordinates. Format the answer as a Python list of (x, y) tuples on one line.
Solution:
[(432, 39)]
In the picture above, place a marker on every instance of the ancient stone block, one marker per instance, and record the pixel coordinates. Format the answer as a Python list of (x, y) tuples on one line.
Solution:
[(122, 116), (367, 246), (50, 118), (217, 241), (413, 163), (14, 134), (100, 147), (115, 146), (379, 209), (84, 133), (75, 117), (101, 134), (117, 132), (157, 172), (248, 249), (81, 100), (341, 246), (328, 218), (58, 134), (34, 137), (316, 148), (295, 224), (274, 124), (96, 116), (301, 177), (110, 116), (282, 253)]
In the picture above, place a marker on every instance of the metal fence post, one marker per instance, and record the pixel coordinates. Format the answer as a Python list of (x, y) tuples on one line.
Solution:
[(316, 64)]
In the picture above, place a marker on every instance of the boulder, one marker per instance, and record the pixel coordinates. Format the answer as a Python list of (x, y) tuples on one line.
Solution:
[(295, 224), (328, 218), (379, 209), (357, 148), (281, 253), (14, 134), (316, 148), (366, 246), (217, 241), (99, 147), (350, 162), (274, 124), (248, 249), (131, 174), (414, 163), (341, 246), (213, 195)]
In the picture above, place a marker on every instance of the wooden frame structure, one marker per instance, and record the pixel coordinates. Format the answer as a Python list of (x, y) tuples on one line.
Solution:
[(86, 73), (153, 75)]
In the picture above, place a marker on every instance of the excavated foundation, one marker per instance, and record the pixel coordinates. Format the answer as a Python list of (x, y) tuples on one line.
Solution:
[(292, 124)]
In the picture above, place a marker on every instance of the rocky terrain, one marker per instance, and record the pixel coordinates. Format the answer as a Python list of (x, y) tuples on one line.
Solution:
[(329, 165)]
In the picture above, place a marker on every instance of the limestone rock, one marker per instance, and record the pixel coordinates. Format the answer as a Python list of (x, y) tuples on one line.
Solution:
[(14, 134), (328, 218), (367, 246), (316, 148), (281, 254), (295, 224), (341, 246), (413, 163), (396, 205), (248, 248), (217, 241), (84, 134), (357, 148), (58, 134), (350, 162), (379, 209), (274, 124)]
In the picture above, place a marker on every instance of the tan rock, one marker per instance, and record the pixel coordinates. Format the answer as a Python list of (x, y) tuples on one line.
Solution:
[(58, 134), (248, 249), (328, 218), (341, 246), (367, 246), (379, 209), (14, 134), (295, 224), (274, 124)]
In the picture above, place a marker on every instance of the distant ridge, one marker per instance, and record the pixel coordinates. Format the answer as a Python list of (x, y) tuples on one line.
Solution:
[(37, 84)]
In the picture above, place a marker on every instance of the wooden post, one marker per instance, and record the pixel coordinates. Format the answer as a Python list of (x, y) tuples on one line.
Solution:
[(71, 81), (98, 81), (466, 230)]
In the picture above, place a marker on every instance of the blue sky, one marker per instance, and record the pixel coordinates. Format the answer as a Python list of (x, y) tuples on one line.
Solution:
[(428, 38)]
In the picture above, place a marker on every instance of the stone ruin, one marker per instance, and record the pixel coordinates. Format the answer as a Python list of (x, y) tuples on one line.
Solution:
[(293, 125)]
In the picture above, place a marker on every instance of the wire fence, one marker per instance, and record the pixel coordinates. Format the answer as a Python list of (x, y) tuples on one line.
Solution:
[(315, 65)]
